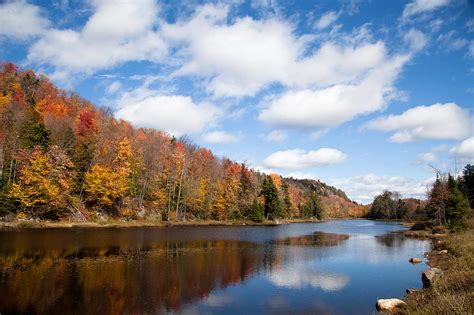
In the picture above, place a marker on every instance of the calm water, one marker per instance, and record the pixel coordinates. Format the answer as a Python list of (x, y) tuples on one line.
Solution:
[(335, 267)]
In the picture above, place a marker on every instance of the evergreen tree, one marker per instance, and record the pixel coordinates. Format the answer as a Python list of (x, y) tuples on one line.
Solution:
[(256, 213), (457, 207), (272, 207), (286, 211), (436, 206), (466, 184)]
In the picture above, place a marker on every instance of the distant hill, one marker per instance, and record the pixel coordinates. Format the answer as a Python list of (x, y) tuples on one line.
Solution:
[(62, 157)]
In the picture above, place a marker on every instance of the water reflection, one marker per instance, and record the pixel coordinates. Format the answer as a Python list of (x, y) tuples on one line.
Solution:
[(112, 280), (293, 268), (315, 239)]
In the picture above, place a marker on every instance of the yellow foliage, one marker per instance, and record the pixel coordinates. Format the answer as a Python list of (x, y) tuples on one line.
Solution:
[(36, 185), (4, 100), (105, 186)]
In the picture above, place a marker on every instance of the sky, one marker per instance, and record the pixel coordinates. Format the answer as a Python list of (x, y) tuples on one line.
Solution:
[(363, 95)]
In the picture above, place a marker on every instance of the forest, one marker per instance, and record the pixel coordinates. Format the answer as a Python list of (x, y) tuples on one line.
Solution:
[(61, 157), (449, 202)]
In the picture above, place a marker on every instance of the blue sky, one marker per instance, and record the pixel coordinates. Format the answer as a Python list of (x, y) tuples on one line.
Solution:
[(364, 95)]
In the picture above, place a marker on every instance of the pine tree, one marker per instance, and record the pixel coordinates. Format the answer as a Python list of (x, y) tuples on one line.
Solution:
[(466, 184), (286, 211), (272, 207), (256, 213), (457, 206), (436, 206)]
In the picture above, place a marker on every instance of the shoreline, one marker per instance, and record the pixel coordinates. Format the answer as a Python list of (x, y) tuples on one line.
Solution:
[(453, 253), (143, 223)]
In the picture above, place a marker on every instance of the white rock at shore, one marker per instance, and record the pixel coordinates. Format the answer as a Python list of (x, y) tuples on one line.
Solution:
[(389, 305)]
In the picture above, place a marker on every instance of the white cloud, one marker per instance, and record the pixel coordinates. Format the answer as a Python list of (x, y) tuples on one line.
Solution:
[(415, 39), (451, 42), (364, 188), (220, 136), (470, 25), (116, 32), (423, 6), (239, 58), (297, 158), (332, 106), (438, 121), (277, 136), (113, 87), (470, 51), (21, 20), (427, 157), (326, 20), (175, 114), (329, 282), (465, 150)]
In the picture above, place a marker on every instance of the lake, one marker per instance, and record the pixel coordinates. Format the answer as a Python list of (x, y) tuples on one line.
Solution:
[(333, 267)]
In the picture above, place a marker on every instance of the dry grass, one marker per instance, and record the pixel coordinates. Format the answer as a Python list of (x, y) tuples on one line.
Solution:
[(453, 293)]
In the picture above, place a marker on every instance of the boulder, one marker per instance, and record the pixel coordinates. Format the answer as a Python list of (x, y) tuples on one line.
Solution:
[(430, 276), (414, 260), (389, 305)]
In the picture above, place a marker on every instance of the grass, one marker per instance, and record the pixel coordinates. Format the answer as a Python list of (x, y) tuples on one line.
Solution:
[(453, 293)]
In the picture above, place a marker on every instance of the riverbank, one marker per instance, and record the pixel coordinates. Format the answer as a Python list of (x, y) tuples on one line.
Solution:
[(143, 223), (453, 293)]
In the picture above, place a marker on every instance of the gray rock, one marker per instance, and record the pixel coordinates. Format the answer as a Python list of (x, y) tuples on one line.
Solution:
[(389, 305), (430, 276), (444, 251)]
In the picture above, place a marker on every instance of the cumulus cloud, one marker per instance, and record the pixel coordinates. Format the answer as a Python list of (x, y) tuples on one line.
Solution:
[(21, 20), (364, 188), (239, 58), (220, 137), (297, 158), (277, 136), (415, 39), (332, 106), (438, 121), (326, 20), (165, 112), (464, 151), (423, 6), (116, 32)]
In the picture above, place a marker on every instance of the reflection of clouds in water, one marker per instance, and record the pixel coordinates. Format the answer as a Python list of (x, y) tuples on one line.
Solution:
[(215, 300), (296, 278)]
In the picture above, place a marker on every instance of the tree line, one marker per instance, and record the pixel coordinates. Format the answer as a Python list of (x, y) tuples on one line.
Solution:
[(449, 203), (60, 156)]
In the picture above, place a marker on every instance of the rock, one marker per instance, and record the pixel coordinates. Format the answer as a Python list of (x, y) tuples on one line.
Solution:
[(414, 260), (411, 291), (389, 305), (430, 276), (444, 251)]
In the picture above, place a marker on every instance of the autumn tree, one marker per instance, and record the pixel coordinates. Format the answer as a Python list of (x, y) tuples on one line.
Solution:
[(44, 184)]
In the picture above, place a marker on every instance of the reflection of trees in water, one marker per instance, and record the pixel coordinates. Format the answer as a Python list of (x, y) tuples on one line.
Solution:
[(110, 280), (315, 239), (391, 239)]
